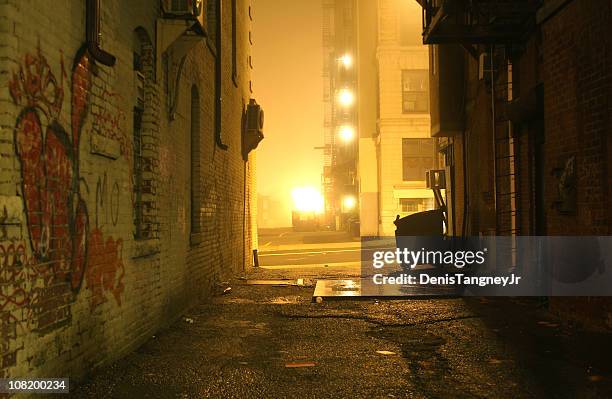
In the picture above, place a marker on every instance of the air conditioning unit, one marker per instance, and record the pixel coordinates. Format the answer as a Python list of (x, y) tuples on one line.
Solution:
[(185, 9), (253, 132), (436, 179)]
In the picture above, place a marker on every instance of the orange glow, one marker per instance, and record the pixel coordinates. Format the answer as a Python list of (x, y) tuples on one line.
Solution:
[(348, 203), (307, 199), (346, 60), (346, 97), (346, 133)]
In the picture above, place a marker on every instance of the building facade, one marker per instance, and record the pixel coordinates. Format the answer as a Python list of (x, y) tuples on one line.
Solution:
[(384, 165), (404, 146), (340, 180), (527, 146), (125, 191)]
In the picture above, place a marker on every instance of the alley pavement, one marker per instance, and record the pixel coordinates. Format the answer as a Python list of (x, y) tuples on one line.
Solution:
[(274, 342)]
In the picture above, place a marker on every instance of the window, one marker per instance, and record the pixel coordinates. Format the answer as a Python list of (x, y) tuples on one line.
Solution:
[(415, 91), (195, 160), (410, 204), (418, 157), (145, 133), (137, 159), (142, 67)]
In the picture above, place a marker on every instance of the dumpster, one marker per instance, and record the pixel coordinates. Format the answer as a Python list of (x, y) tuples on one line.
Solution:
[(428, 223), (420, 230)]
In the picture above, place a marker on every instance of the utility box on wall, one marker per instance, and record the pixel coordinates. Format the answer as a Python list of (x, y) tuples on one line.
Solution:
[(185, 9), (446, 81)]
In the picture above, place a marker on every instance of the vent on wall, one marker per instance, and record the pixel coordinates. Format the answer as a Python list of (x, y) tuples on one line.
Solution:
[(185, 9)]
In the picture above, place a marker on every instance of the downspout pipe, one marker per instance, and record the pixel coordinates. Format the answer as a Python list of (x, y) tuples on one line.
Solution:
[(493, 126), (218, 80), (92, 33)]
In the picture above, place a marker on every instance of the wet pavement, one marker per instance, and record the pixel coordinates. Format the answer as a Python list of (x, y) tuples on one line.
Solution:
[(263, 341)]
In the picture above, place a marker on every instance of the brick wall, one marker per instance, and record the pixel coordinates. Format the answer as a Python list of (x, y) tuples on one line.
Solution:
[(577, 79), (569, 56), (78, 288)]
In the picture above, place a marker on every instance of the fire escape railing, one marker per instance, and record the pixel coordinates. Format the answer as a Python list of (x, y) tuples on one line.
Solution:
[(477, 21)]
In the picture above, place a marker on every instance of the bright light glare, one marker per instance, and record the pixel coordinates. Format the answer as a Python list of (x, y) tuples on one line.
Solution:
[(346, 60), (349, 202), (307, 199), (346, 97), (346, 133)]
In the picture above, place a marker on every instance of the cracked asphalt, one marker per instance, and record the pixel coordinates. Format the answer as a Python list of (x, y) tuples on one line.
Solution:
[(273, 342)]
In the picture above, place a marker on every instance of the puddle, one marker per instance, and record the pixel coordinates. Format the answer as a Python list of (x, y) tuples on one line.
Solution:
[(286, 300)]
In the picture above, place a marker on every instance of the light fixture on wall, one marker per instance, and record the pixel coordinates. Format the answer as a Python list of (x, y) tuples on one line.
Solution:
[(346, 133), (346, 60), (346, 97)]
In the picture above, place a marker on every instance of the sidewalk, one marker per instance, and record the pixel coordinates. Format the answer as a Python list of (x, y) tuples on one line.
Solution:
[(273, 342), (380, 243)]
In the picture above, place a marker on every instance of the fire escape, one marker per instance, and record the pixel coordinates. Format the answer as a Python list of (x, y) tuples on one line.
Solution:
[(470, 22), (490, 31)]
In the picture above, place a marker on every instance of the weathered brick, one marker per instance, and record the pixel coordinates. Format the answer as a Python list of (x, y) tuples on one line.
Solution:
[(85, 284)]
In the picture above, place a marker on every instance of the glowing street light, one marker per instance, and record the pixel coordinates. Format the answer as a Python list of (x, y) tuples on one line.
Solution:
[(346, 133), (307, 199), (346, 60), (346, 97), (348, 203)]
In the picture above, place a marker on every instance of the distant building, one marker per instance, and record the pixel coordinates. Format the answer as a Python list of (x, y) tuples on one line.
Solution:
[(385, 165), (405, 150), (340, 180), (272, 212)]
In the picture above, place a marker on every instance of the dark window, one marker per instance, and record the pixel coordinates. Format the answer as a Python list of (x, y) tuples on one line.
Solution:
[(144, 130), (137, 171), (195, 160), (417, 156), (415, 91)]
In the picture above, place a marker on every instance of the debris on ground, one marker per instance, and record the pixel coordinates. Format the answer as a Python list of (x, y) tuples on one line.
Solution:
[(548, 324), (300, 282), (299, 364), (386, 353), (222, 288)]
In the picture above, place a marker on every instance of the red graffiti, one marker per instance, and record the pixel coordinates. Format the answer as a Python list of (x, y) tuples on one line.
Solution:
[(56, 215), (49, 163), (12, 270), (34, 85), (105, 270)]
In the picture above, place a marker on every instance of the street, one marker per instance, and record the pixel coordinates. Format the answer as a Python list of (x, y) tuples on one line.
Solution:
[(272, 341), (282, 247)]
